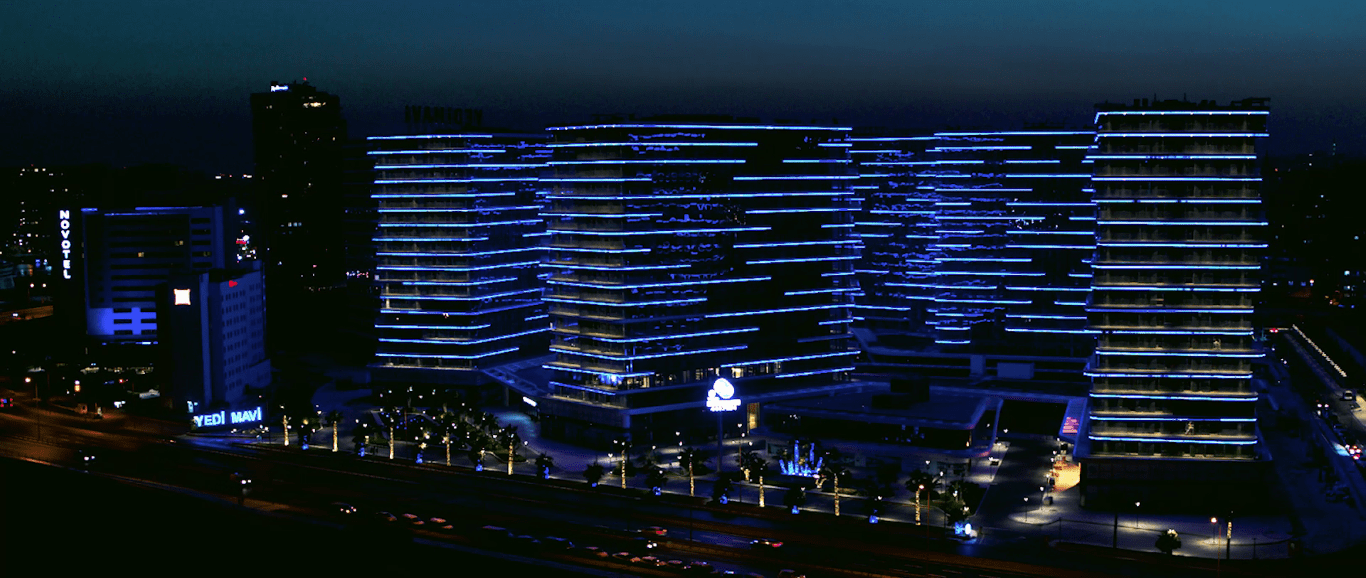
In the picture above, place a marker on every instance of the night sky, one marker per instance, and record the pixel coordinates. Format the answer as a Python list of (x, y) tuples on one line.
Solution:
[(131, 82)]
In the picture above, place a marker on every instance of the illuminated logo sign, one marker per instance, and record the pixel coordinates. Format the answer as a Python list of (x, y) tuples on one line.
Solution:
[(182, 296), (226, 417), (279, 88), (719, 397), (64, 219)]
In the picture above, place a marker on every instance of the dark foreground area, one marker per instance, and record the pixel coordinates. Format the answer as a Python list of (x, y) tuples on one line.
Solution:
[(55, 522)]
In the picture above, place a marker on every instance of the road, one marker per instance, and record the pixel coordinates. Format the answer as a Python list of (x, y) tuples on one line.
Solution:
[(301, 484)]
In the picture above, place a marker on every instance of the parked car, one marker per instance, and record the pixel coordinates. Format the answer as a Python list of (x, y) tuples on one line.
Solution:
[(558, 543), (386, 517), (413, 519), (626, 557), (595, 552)]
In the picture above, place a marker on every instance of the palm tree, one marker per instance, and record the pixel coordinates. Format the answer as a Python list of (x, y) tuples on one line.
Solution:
[(478, 442), (334, 418), (919, 482), (624, 444), (389, 416), (835, 472), (688, 458), (751, 463), (508, 437)]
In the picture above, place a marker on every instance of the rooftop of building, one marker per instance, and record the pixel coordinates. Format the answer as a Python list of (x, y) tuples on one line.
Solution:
[(1260, 103)]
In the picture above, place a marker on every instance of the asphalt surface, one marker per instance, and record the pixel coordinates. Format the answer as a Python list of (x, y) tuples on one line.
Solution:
[(302, 484)]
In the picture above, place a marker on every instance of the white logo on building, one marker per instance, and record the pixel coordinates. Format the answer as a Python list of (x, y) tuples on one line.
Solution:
[(719, 397)]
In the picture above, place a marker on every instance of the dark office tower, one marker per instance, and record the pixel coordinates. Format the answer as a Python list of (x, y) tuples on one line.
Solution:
[(684, 250), (298, 133), (1175, 283), (897, 229), (457, 253), (1015, 234), (129, 255)]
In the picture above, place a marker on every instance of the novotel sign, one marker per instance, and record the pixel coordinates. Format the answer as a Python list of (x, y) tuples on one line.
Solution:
[(64, 221), (227, 418), (721, 396)]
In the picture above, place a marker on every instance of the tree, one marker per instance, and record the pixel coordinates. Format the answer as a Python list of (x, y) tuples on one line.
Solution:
[(479, 442), (720, 489), (390, 414), (688, 459), (656, 479), (794, 498), (543, 464), (334, 418), (593, 473), (1168, 542), (835, 472), (921, 482), (508, 437), (752, 465)]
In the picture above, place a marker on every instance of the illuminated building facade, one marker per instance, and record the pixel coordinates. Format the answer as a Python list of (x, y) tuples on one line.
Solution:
[(683, 251), (1015, 228), (128, 255), (897, 229), (213, 333), (1176, 281), (457, 251)]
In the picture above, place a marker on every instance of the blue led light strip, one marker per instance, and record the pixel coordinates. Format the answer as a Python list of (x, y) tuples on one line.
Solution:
[(463, 225), (816, 372), (598, 373), (450, 356), (652, 162), (616, 267), (553, 299), (767, 311), (698, 126), (435, 151), (653, 144), (803, 260), (651, 355), (427, 136), (661, 232), (674, 336), (453, 327), (464, 342), (458, 297), (686, 283), (480, 268)]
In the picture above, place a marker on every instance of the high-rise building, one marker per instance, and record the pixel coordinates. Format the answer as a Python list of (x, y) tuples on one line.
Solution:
[(457, 251), (1178, 238), (1015, 227), (127, 255), (688, 249), (298, 132), (897, 230), (212, 331)]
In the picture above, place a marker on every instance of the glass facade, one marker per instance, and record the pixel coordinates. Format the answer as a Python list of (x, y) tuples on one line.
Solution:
[(1176, 280), (680, 252), (457, 250)]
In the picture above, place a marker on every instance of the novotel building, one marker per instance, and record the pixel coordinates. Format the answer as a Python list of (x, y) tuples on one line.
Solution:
[(683, 250)]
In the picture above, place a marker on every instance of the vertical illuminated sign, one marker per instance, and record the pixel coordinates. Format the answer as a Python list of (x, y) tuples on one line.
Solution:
[(64, 219)]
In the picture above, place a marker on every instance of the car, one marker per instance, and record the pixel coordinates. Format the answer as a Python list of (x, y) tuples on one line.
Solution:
[(654, 531), (645, 543), (557, 543), (87, 456), (344, 509), (386, 517), (626, 557), (435, 521), (595, 552), (1348, 395), (701, 567), (6, 402), (765, 544), (789, 573), (495, 533), (652, 561), (413, 519), (676, 564)]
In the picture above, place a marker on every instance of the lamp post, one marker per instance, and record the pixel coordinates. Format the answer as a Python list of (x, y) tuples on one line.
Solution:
[(919, 489), (1214, 530), (1026, 501)]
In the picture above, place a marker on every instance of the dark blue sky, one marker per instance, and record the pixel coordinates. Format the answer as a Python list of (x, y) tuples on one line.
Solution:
[(148, 81)]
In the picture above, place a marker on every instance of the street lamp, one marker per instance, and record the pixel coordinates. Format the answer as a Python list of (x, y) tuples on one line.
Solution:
[(1214, 530), (1026, 500)]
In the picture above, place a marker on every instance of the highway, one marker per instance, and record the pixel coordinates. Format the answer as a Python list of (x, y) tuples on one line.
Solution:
[(299, 484)]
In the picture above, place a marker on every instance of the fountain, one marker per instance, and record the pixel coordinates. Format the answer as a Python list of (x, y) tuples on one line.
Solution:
[(808, 466)]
